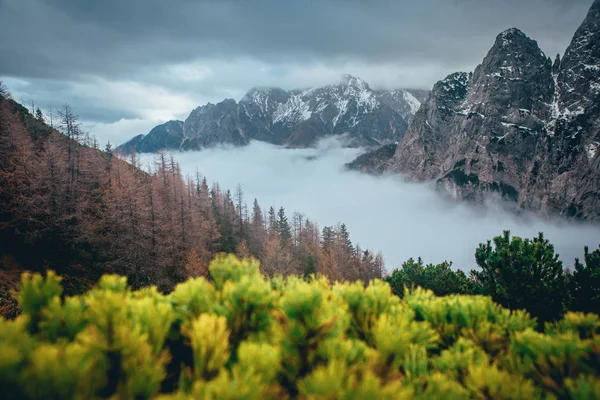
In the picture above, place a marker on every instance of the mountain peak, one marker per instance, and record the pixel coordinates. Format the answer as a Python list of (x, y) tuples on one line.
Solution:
[(259, 91), (349, 80), (556, 65), (511, 57), (297, 117), (513, 38), (511, 34), (578, 76)]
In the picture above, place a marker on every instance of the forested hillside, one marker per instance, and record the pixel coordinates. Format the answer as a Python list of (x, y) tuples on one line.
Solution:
[(65, 204)]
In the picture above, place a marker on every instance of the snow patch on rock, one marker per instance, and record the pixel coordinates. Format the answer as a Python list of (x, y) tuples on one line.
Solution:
[(591, 149), (294, 110), (412, 101)]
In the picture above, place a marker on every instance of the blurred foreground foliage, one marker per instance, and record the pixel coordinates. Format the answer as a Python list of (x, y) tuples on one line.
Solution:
[(241, 335)]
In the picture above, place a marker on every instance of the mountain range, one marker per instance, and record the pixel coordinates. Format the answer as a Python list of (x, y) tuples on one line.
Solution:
[(519, 127), (295, 118)]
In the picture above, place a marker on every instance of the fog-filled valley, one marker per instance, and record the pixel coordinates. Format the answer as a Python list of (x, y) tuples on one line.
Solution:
[(401, 219)]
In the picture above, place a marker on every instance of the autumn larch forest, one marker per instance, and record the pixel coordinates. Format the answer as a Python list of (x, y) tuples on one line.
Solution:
[(70, 206)]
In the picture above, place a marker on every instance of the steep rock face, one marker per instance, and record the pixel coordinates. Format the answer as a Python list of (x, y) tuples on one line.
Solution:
[(214, 124), (519, 126), (472, 121), (575, 131), (298, 118)]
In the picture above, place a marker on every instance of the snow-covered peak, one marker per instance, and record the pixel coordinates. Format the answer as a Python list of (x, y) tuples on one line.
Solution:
[(514, 57), (512, 43), (349, 80), (579, 72), (509, 36), (259, 95)]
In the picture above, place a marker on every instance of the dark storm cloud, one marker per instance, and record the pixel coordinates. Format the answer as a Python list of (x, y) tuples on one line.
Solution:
[(125, 64), (115, 38)]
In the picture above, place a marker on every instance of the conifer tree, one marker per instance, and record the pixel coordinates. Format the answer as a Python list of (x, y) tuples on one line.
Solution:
[(258, 233), (584, 283), (272, 221), (283, 228), (38, 115), (241, 212), (522, 274)]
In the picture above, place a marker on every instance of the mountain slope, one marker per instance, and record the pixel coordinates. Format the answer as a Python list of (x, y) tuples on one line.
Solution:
[(518, 127), (296, 118), (165, 136)]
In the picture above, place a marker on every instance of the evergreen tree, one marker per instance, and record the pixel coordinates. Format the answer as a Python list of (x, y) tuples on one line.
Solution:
[(345, 238), (584, 283), (257, 217), (283, 227), (224, 216), (310, 266), (257, 231), (522, 274), (328, 238), (439, 278), (241, 211), (272, 221), (38, 115)]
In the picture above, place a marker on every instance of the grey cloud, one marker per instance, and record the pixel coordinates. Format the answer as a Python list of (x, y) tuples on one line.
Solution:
[(115, 38), (52, 94), (67, 50)]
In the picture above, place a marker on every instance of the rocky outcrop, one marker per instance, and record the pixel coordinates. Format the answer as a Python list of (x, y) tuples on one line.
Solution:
[(297, 118), (473, 121), (574, 132), (519, 127), (374, 162)]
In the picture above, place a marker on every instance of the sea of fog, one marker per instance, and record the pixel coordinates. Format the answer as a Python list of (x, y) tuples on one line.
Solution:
[(401, 219)]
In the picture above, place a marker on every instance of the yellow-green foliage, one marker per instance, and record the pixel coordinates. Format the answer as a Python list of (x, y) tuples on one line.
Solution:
[(244, 336)]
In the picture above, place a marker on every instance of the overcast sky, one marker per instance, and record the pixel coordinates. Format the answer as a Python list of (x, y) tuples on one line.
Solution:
[(126, 65)]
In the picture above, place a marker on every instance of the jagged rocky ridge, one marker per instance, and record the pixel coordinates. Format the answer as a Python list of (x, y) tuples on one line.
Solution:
[(519, 127), (296, 118)]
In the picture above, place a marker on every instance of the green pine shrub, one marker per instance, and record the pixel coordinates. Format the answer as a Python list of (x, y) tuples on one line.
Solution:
[(245, 336)]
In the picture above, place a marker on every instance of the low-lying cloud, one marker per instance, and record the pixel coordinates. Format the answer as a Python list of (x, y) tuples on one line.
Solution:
[(401, 219)]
